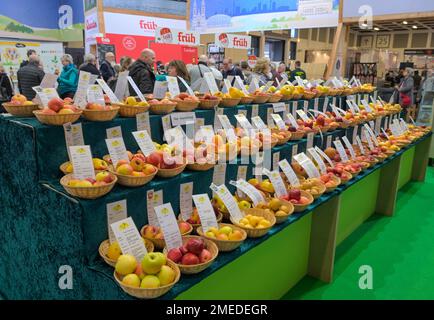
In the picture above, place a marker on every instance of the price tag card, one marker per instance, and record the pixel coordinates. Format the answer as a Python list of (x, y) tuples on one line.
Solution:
[(83, 84), (278, 120), (81, 159), (242, 172), (160, 89), (144, 141), (206, 211), (107, 90), (303, 116), (294, 109), (289, 173), (371, 133), (378, 125), (351, 106), (267, 86), (129, 238), (277, 182), (206, 134), (359, 143), (224, 120), (404, 126), (349, 147), (49, 81), (217, 112), (396, 131), (292, 121), (276, 158), (117, 150), (305, 105), (294, 150), (368, 139), (143, 123), (115, 132), (95, 94), (154, 199), (269, 117), (136, 89), (254, 85), (254, 194), (300, 81), (341, 150), (185, 197), (229, 201), (356, 106), (166, 122), (258, 123), (255, 110), (334, 101), (385, 133), (73, 134), (307, 165), (325, 104), (318, 160), (240, 85), (210, 81), (169, 225), (172, 84), (182, 118), (326, 157), (329, 141), (92, 79), (279, 107), (366, 97), (226, 86), (310, 137), (244, 123), (116, 211), (122, 85), (315, 104), (219, 175), (355, 129), (189, 89)]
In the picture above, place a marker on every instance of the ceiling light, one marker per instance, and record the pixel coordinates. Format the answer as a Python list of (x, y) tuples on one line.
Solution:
[(404, 22), (364, 24), (414, 27), (376, 29)]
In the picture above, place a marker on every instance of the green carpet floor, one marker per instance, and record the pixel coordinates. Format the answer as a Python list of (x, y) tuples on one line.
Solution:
[(399, 249)]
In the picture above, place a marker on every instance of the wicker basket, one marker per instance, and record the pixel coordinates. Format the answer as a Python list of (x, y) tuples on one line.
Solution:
[(219, 218), (344, 125), (337, 182), (21, 110), (286, 97), (56, 119), (182, 105), (104, 246), (275, 98), (193, 269), (225, 245), (208, 104), (256, 233), (273, 143), (132, 181), (281, 219), (152, 293), (308, 95), (162, 108), (260, 98), (63, 167), (302, 207), (322, 188), (87, 192), (100, 115), (246, 100), (229, 102), (160, 243), (200, 167), (284, 140), (344, 181), (128, 111), (169, 173), (297, 135)]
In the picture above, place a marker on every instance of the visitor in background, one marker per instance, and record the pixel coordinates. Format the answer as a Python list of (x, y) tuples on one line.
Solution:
[(297, 72), (125, 63), (275, 75), (218, 76), (161, 69), (68, 79), (142, 72), (262, 71), (30, 76), (177, 68), (107, 67), (6, 88), (282, 70), (245, 69), (230, 70), (405, 90), (417, 80), (399, 76), (197, 71), (30, 52), (89, 65)]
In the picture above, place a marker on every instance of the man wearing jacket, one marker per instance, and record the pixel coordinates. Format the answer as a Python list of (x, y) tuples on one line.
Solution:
[(142, 72), (230, 70), (107, 71), (29, 76)]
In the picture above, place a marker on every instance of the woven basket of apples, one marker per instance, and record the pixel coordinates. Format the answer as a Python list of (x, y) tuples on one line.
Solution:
[(308, 95), (296, 134), (150, 278), (300, 199), (340, 173), (227, 237), (155, 234), (354, 168), (195, 255), (255, 222), (164, 106), (58, 112), (280, 208), (314, 186), (134, 173), (98, 165), (89, 188), (275, 97), (98, 112), (229, 102), (186, 102), (110, 252), (201, 158), (131, 106), (282, 136), (194, 219), (246, 100), (169, 161), (330, 181), (208, 101), (260, 97), (20, 107)]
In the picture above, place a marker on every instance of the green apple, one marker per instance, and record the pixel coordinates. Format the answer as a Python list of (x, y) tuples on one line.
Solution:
[(244, 204), (126, 264), (210, 234), (166, 275), (131, 280), (226, 230), (150, 281), (152, 262)]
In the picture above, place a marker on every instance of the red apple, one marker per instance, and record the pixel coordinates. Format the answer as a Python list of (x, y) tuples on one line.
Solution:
[(205, 256), (195, 246), (183, 250), (190, 259), (155, 158), (175, 255), (55, 104), (294, 194)]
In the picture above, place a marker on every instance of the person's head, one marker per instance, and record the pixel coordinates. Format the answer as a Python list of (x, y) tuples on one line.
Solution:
[(416, 72), (408, 72), (89, 58), (66, 60), (211, 62), (34, 59), (262, 66), (31, 52), (148, 56), (125, 63), (227, 64), (117, 68), (245, 65), (281, 68), (297, 64), (110, 57), (177, 68), (203, 58)]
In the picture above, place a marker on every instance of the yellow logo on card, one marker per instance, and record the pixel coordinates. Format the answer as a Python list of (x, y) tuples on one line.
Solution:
[(165, 211), (201, 199), (81, 150), (115, 133), (116, 143), (117, 207), (141, 135), (74, 129), (123, 226), (187, 188)]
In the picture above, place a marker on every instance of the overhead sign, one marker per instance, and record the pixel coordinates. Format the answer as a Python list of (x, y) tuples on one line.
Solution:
[(234, 41), (177, 36), (251, 61)]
